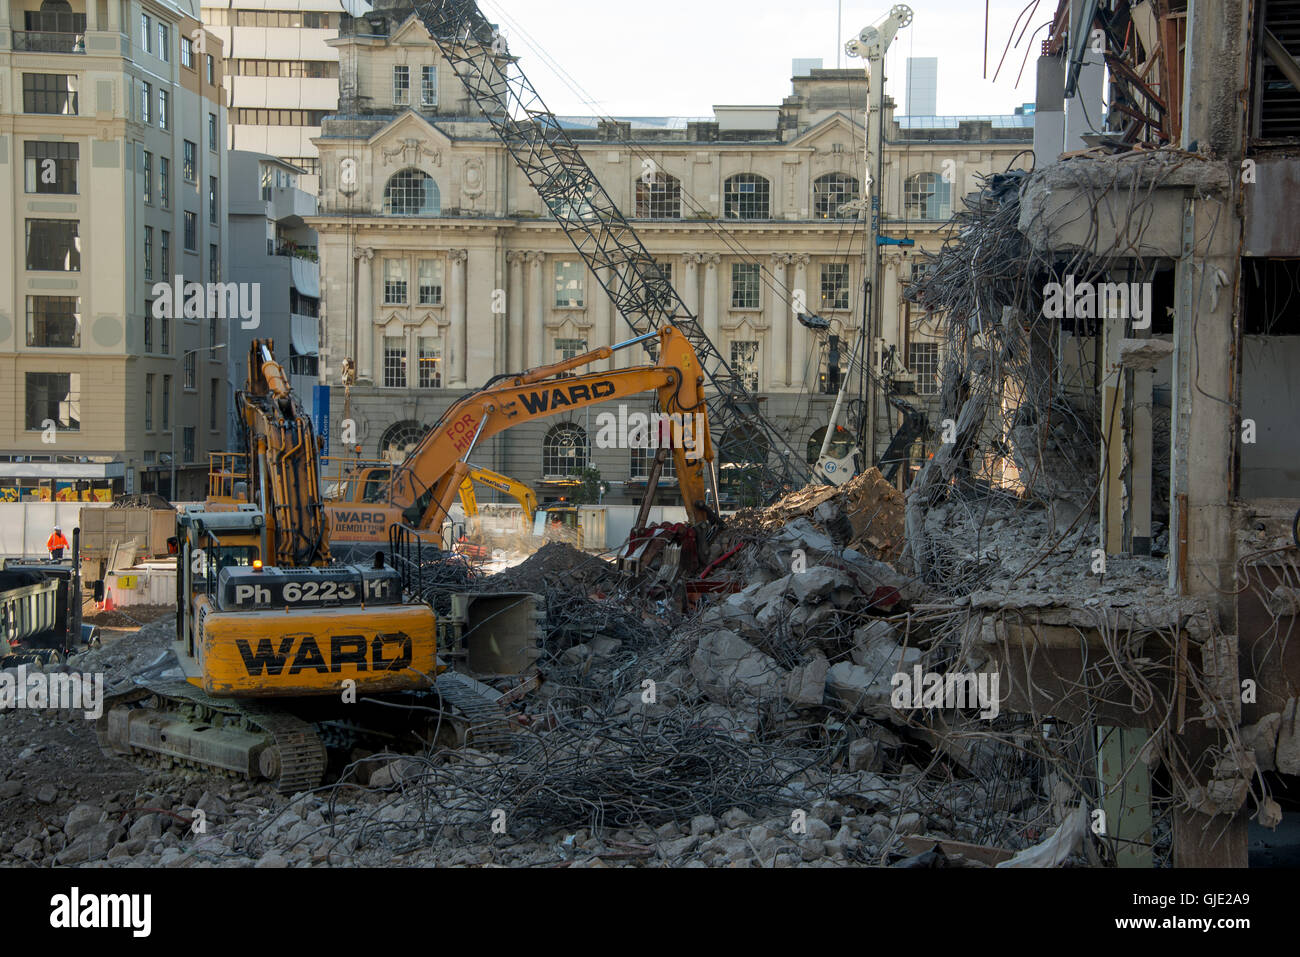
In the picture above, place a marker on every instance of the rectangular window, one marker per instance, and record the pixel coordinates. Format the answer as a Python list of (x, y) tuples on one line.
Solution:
[(212, 132), (148, 327), (569, 348), (164, 182), (570, 280), (148, 252), (401, 85), (54, 245), (146, 167), (394, 282), (190, 163), (429, 86), (164, 110), (924, 361), (431, 282), (165, 325), (191, 232), (53, 322), (165, 254), (167, 404), (745, 286), (189, 365), (148, 402), (744, 363), (214, 395), (52, 93), (146, 32), (394, 362), (212, 70), (164, 42), (214, 264), (187, 53), (146, 101), (50, 167), (835, 286), (430, 363), (187, 444), (53, 398), (212, 200)]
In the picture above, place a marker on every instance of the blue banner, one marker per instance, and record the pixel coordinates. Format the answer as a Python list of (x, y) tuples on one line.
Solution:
[(321, 413)]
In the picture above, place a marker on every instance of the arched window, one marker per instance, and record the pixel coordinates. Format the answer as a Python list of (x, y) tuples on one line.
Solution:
[(564, 451), (832, 191), (660, 198), (927, 197), (412, 193), (400, 440), (747, 196)]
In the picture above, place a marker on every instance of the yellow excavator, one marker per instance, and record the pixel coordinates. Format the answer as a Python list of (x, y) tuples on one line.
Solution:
[(419, 493), (276, 643)]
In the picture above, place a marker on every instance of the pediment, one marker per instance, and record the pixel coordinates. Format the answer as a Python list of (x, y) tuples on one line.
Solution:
[(837, 126)]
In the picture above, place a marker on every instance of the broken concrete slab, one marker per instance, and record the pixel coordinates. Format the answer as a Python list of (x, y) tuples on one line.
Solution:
[(806, 686), (1261, 737), (1144, 353), (862, 690), (726, 664), (1287, 756)]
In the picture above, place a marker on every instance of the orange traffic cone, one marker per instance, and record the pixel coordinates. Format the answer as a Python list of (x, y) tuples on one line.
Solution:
[(109, 604)]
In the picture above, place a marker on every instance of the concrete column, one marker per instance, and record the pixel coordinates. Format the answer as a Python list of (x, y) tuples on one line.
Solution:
[(515, 360), (536, 309), (602, 326), (690, 285), (779, 314), (891, 313), (1205, 418), (92, 16), (458, 259), (801, 368), (712, 307), (365, 331), (114, 17)]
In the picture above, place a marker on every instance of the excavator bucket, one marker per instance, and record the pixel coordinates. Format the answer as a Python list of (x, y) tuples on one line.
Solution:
[(498, 633)]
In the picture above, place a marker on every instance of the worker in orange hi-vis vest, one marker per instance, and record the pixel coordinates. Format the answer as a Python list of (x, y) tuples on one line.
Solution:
[(56, 544)]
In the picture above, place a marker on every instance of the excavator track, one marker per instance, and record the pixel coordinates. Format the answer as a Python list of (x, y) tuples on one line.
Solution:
[(174, 723)]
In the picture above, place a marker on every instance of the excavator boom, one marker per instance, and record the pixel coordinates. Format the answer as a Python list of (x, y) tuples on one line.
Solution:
[(427, 482)]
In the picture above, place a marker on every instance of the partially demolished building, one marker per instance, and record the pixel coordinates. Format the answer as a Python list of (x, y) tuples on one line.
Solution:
[(1121, 339)]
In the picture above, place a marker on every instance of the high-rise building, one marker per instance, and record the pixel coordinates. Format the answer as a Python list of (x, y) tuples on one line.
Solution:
[(922, 85), (282, 76), (112, 152), (271, 246)]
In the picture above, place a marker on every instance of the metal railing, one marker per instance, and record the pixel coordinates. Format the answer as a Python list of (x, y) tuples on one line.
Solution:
[(32, 41)]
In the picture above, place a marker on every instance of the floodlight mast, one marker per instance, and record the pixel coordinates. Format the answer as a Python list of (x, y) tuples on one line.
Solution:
[(871, 44)]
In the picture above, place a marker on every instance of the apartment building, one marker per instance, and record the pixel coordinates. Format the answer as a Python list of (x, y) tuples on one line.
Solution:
[(272, 249), (441, 268), (281, 74), (112, 149)]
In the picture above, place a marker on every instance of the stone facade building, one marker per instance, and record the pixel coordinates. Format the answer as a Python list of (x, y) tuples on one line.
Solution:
[(441, 268)]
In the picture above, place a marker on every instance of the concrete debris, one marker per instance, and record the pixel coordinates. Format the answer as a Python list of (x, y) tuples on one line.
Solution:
[(1144, 353), (1287, 758), (1262, 738), (865, 515), (1056, 850)]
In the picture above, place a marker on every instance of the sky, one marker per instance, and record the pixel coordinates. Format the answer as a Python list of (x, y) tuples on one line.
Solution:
[(682, 57)]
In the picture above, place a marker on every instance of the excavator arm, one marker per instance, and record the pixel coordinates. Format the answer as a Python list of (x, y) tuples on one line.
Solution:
[(520, 492), (426, 484), (284, 467)]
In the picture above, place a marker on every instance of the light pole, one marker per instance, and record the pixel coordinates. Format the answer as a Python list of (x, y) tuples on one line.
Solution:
[(176, 403)]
